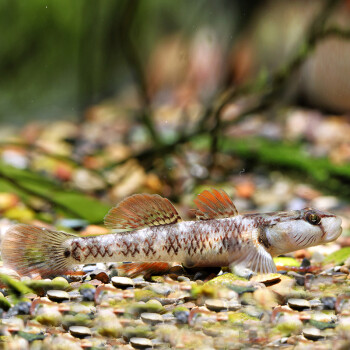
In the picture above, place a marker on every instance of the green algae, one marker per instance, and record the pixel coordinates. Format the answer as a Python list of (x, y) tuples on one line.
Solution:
[(240, 317), (145, 295), (76, 320), (140, 307), (40, 287), (225, 279), (286, 261), (16, 288), (138, 331), (4, 303), (288, 328)]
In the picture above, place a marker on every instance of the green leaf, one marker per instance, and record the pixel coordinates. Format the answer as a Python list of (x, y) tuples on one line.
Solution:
[(338, 257), (71, 203)]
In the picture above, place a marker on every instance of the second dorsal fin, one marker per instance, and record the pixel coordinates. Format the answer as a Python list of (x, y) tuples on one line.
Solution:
[(141, 210), (214, 204)]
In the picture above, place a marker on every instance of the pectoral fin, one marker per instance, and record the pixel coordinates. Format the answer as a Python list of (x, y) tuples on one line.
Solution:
[(257, 259)]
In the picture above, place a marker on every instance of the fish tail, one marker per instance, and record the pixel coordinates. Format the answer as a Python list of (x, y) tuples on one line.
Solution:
[(32, 250)]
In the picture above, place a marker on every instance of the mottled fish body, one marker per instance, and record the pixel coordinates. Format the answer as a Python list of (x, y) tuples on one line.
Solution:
[(154, 233)]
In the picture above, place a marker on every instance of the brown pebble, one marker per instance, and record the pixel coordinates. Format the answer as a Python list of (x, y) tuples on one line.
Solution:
[(344, 269), (302, 253), (102, 276)]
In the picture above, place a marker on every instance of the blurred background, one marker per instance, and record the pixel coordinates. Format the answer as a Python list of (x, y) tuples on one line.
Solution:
[(100, 100)]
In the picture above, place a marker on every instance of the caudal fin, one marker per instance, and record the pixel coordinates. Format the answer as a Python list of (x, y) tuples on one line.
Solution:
[(35, 250)]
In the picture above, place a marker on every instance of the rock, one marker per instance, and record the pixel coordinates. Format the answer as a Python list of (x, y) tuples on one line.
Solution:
[(75, 224), (216, 304), (100, 275), (183, 279), (268, 279), (328, 303), (139, 282), (161, 289), (299, 304), (181, 314), (141, 343), (79, 331), (305, 263), (88, 294), (300, 279), (312, 333), (57, 295), (122, 282), (315, 303), (151, 318)]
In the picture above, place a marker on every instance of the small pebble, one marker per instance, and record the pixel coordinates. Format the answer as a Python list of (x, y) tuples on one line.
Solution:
[(305, 263), (300, 279), (267, 279), (57, 295), (328, 303), (216, 304), (315, 303), (299, 304), (79, 331), (182, 316), (162, 289), (89, 268), (122, 282), (151, 318), (183, 279), (141, 343), (312, 333), (75, 224), (139, 282), (100, 275), (88, 294), (344, 269)]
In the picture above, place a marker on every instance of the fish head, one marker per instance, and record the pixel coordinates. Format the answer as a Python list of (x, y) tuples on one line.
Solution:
[(300, 229)]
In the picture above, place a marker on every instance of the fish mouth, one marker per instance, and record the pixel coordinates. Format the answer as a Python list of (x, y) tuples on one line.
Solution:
[(335, 235)]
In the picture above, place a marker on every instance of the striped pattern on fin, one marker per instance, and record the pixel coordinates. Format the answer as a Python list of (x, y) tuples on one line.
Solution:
[(214, 204), (141, 210)]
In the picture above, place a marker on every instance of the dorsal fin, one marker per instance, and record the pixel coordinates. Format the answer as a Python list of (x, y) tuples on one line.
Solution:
[(141, 210), (214, 204)]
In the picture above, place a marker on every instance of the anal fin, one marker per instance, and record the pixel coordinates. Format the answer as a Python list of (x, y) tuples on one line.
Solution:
[(143, 268)]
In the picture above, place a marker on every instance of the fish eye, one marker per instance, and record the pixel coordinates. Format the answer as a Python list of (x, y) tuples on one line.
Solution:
[(312, 218)]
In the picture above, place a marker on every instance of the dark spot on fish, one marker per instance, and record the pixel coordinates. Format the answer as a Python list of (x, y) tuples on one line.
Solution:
[(67, 253), (263, 238)]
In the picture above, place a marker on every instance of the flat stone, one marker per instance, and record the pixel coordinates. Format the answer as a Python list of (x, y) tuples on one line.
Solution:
[(79, 331), (267, 279), (141, 343), (216, 304), (299, 304), (151, 318), (312, 333), (139, 282), (122, 282), (57, 295)]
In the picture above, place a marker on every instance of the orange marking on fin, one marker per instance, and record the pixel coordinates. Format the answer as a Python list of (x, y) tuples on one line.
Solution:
[(214, 205), (143, 268), (142, 210)]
